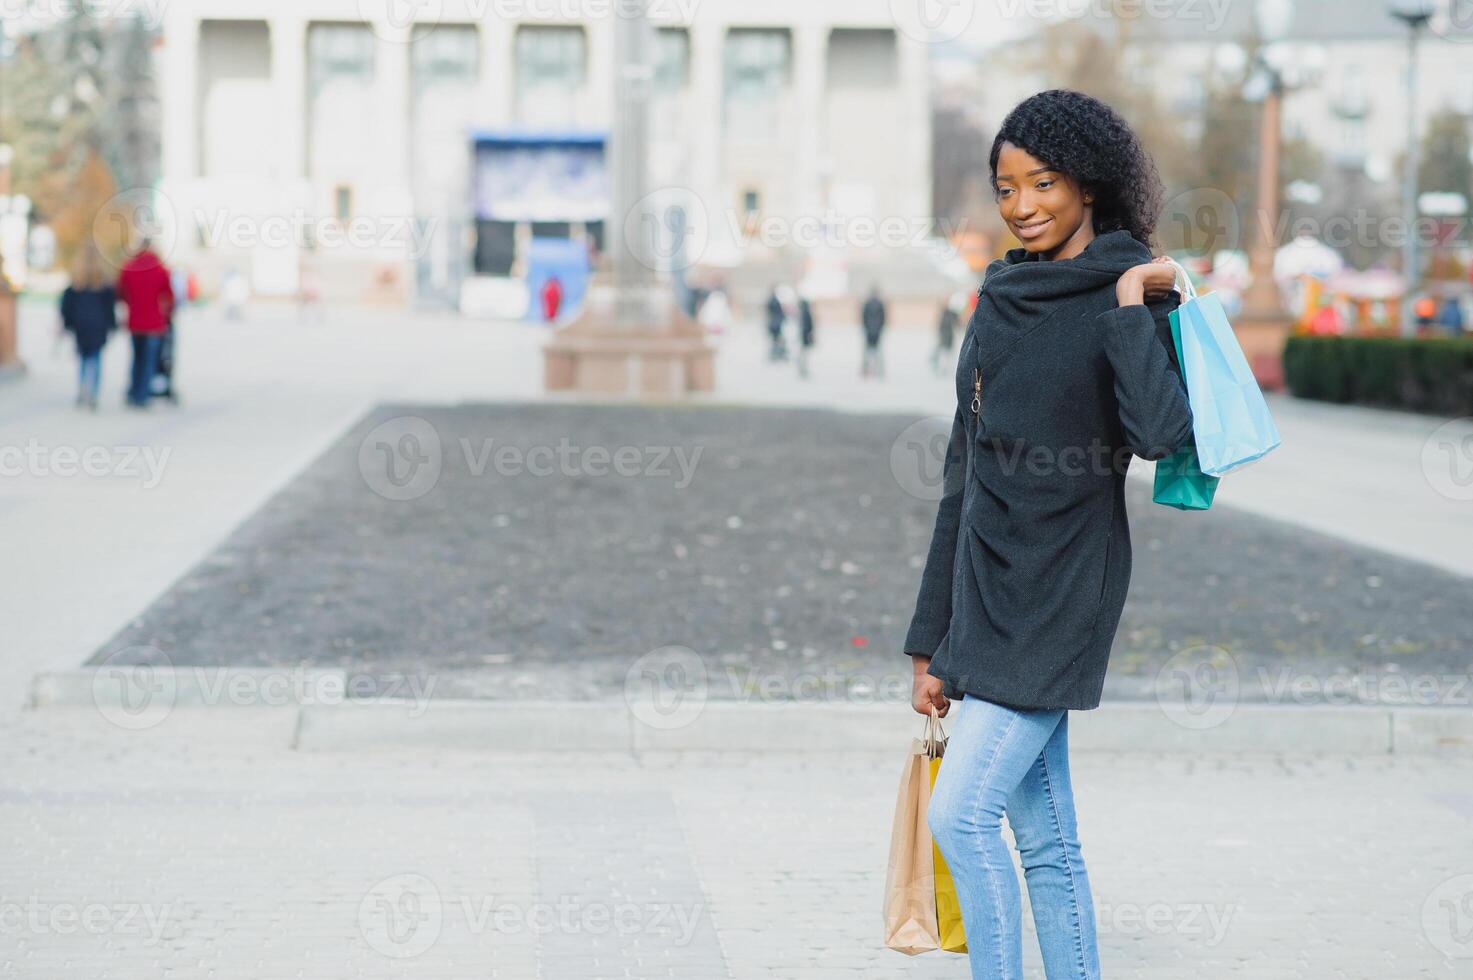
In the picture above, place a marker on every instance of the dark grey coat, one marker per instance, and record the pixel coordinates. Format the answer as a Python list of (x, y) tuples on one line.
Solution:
[(1030, 558)]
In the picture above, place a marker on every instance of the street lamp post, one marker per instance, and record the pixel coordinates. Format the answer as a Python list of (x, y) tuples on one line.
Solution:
[(1263, 326), (1262, 300), (1415, 16)]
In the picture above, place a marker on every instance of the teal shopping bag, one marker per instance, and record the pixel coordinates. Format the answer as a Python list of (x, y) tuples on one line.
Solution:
[(1180, 482)]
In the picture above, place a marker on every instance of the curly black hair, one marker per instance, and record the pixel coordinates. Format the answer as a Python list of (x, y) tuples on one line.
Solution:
[(1083, 137)]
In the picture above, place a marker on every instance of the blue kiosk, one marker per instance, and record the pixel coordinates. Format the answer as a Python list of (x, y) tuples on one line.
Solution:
[(541, 204)]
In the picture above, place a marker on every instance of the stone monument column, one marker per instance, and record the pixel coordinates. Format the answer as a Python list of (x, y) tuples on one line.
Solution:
[(630, 338)]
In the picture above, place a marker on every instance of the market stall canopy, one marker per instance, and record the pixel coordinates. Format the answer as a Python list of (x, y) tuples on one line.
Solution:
[(1306, 256)]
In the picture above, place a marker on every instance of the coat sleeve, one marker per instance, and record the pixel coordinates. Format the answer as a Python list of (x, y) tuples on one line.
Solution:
[(932, 618), (1155, 415)]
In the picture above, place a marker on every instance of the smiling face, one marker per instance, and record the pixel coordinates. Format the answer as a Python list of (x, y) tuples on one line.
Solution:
[(1048, 210)]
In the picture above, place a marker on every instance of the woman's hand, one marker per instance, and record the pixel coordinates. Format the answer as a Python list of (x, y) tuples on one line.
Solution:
[(925, 692), (1152, 280)]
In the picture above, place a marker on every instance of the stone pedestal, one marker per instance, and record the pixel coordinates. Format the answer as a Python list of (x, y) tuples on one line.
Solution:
[(660, 354), (1263, 337)]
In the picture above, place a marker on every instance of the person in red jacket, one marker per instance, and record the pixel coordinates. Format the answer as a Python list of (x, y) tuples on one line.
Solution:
[(552, 299), (143, 287)]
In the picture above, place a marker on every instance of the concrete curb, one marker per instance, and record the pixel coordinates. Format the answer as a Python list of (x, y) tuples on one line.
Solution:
[(328, 719), (128, 687), (729, 726)]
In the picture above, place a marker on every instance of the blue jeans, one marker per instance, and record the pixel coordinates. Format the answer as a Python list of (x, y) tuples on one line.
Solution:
[(1001, 760), (89, 375), (145, 366)]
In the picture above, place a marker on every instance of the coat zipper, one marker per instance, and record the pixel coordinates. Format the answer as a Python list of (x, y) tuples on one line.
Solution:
[(977, 393)]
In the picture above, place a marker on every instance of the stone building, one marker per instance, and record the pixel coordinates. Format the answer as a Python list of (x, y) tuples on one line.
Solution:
[(339, 144)]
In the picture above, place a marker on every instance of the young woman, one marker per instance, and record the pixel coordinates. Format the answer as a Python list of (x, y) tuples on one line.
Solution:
[(88, 313), (1067, 370)]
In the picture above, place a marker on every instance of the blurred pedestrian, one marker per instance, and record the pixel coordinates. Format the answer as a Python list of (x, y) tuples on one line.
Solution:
[(715, 313), (234, 291), (777, 318), (309, 293), (552, 299), (144, 288), (185, 289), (89, 314), (951, 316), (873, 317), (1425, 310), (805, 334), (1450, 316)]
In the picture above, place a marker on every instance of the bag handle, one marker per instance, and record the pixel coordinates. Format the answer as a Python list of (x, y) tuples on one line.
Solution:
[(1189, 291), (933, 736)]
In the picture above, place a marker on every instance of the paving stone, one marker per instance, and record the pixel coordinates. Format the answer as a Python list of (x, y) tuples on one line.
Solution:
[(269, 863)]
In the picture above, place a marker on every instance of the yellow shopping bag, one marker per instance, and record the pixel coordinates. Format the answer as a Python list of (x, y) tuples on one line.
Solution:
[(921, 908), (948, 907)]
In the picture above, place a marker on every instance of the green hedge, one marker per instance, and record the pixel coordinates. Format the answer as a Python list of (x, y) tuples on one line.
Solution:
[(1432, 375)]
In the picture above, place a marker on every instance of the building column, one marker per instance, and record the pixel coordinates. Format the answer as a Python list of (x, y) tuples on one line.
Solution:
[(179, 92), (601, 82), (915, 136), (707, 57), (391, 95), (498, 72), (810, 84), (289, 91)]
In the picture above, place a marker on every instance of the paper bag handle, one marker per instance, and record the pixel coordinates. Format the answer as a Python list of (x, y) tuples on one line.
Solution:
[(933, 735)]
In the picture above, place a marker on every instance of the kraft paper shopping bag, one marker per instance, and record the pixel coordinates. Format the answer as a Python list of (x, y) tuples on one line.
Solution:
[(921, 908)]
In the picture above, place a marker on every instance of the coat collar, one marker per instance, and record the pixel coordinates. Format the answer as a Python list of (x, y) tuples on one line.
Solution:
[(1112, 252), (1022, 292)]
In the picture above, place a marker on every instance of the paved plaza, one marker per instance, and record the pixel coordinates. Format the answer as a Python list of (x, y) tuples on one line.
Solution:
[(258, 523), (203, 848)]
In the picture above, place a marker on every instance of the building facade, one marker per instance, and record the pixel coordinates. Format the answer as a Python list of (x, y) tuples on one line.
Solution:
[(330, 145), (1352, 57)]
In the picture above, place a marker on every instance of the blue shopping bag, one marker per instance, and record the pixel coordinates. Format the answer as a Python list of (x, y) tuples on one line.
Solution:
[(1230, 418)]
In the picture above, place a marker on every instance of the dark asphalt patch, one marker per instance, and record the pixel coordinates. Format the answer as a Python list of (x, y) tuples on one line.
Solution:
[(559, 544)]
